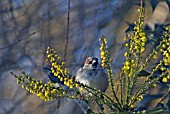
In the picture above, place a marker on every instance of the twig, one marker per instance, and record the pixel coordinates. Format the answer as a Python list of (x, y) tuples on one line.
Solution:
[(67, 33), (167, 94), (10, 45)]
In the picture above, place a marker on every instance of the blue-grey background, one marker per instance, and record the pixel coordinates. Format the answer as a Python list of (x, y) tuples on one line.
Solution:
[(89, 20)]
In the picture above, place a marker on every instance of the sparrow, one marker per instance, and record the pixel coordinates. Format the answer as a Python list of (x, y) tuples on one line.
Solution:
[(92, 74)]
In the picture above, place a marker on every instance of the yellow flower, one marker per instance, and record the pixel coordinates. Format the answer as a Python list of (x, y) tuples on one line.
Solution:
[(49, 56), (142, 49), (54, 91), (155, 55), (132, 106), (61, 79), (164, 80), (143, 39), (127, 63), (103, 53), (168, 77), (47, 93), (154, 85), (71, 86), (77, 85), (81, 89), (163, 45), (104, 60), (126, 54)]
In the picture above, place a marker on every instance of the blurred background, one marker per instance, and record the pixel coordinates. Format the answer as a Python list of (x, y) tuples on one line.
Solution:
[(28, 27)]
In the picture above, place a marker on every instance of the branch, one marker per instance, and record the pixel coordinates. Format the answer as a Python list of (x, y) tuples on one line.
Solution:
[(67, 33)]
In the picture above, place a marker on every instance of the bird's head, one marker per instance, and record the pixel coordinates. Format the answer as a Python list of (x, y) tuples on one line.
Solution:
[(91, 62)]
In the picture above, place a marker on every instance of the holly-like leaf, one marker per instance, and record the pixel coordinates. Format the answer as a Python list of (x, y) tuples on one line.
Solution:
[(168, 3), (154, 3), (143, 73), (130, 27)]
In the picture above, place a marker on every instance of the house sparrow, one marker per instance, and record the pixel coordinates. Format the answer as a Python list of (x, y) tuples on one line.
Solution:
[(92, 75)]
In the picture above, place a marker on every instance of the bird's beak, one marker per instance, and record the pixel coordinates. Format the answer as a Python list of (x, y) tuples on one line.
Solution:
[(94, 63)]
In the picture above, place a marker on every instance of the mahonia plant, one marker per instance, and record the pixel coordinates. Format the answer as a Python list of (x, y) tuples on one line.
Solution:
[(127, 99)]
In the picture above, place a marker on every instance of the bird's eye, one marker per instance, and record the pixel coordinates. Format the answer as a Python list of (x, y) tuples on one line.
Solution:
[(90, 62)]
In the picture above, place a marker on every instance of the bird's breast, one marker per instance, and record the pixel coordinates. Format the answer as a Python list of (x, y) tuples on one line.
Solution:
[(94, 78)]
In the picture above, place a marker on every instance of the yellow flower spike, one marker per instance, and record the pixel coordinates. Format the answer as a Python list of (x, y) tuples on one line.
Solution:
[(164, 80)]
